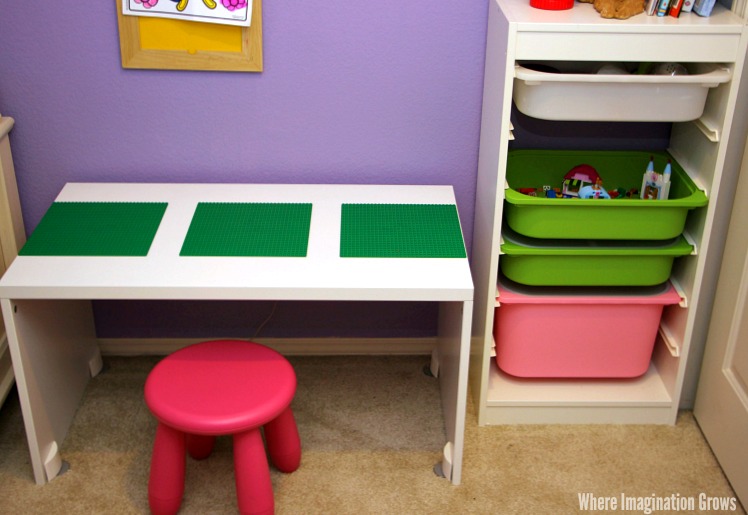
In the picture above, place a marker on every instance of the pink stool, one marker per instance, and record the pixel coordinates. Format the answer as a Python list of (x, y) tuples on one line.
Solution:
[(223, 387)]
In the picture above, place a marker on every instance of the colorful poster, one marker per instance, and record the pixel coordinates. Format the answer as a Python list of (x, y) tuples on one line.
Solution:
[(227, 12)]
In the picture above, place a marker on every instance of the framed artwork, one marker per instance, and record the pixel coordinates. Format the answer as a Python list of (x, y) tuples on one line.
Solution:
[(228, 12), (181, 40)]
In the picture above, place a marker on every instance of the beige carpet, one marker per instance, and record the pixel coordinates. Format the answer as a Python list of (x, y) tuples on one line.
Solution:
[(371, 432)]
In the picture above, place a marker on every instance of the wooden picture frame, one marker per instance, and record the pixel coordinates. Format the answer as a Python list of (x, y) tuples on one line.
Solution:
[(167, 44)]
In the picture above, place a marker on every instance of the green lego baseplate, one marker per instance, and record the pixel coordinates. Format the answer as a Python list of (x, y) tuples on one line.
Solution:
[(401, 231), (249, 230), (96, 229)]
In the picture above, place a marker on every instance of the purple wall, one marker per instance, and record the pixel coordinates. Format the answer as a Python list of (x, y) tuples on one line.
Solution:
[(352, 92)]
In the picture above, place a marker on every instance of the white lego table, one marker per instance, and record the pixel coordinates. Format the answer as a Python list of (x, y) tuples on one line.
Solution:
[(47, 309)]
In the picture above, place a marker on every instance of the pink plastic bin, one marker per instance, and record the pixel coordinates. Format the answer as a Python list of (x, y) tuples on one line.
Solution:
[(578, 333)]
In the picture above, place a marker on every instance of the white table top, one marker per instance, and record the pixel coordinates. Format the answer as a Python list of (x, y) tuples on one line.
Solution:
[(321, 275)]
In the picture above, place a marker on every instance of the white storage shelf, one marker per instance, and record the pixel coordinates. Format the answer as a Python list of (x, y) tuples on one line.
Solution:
[(714, 49), (12, 238)]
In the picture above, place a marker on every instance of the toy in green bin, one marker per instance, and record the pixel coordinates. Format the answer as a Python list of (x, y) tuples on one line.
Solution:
[(594, 191), (584, 182), (656, 186)]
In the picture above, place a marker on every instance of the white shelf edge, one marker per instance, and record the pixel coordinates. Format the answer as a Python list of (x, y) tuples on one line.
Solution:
[(647, 390), (691, 241), (681, 292), (706, 127), (669, 340)]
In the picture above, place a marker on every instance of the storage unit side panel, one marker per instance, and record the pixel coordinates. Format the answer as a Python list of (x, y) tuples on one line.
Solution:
[(728, 161), (12, 238), (489, 197)]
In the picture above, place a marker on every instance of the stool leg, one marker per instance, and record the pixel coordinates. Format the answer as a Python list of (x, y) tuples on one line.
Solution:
[(284, 445), (254, 491), (166, 482), (200, 446)]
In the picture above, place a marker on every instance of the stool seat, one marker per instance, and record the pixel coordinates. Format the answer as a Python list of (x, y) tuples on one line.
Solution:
[(214, 388), (220, 387)]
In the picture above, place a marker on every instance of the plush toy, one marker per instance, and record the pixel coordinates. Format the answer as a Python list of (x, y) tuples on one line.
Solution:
[(619, 9)]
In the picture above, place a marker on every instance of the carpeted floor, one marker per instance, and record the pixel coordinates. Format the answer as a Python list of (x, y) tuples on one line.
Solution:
[(371, 430)]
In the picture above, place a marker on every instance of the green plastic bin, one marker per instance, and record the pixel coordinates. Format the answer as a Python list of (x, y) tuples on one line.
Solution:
[(613, 219), (553, 262)]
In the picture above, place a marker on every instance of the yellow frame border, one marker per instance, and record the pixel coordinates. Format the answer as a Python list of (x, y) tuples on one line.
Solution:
[(248, 60)]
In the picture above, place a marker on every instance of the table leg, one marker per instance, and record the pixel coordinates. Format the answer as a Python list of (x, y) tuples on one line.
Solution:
[(53, 348), (453, 354)]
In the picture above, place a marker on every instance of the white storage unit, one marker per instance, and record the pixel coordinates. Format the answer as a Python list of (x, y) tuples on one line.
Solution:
[(704, 135), (12, 238)]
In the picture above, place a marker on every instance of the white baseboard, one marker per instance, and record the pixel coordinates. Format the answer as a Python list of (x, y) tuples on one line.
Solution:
[(287, 346)]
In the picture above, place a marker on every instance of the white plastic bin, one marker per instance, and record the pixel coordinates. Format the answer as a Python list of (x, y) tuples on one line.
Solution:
[(609, 97)]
